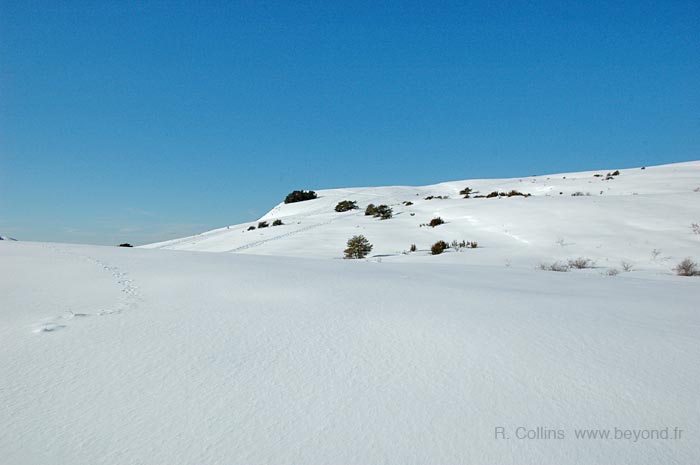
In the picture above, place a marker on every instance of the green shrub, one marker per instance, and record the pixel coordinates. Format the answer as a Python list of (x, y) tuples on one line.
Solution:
[(436, 222), (439, 247), (384, 212), (125, 244), (358, 247), (251, 228), (408, 203), (277, 223), (346, 205), (263, 224), (502, 194), (300, 196)]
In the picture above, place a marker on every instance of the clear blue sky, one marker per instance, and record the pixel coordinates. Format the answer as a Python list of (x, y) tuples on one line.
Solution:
[(142, 121)]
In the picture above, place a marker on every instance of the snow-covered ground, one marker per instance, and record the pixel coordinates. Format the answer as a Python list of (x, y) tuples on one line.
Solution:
[(643, 217), (283, 354)]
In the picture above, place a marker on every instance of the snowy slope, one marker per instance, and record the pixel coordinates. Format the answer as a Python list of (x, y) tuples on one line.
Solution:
[(278, 352), (642, 216), (132, 356)]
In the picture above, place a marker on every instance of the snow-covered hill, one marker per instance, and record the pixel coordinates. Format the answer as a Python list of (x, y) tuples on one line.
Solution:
[(277, 353), (642, 216)]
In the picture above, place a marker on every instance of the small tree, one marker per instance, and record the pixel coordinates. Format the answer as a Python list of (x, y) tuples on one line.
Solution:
[(358, 247), (371, 210), (466, 192)]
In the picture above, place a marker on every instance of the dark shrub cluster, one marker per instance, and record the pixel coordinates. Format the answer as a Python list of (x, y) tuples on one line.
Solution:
[(413, 248), (263, 224), (358, 247), (439, 247), (346, 205), (436, 222), (493, 194), (251, 228), (407, 203), (125, 244), (382, 212), (277, 223), (441, 197), (300, 196), (466, 192)]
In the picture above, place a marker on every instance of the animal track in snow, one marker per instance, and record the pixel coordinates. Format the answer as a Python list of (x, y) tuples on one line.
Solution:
[(128, 290)]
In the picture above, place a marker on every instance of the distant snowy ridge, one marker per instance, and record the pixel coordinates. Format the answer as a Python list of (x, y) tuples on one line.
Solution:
[(640, 215)]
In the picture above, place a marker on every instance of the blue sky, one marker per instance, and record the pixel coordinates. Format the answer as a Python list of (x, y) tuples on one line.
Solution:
[(143, 121)]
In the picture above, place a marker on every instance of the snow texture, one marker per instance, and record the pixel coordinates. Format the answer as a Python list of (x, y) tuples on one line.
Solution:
[(277, 353)]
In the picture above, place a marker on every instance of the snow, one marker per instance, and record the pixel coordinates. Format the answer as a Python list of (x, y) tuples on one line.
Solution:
[(638, 212), (279, 353)]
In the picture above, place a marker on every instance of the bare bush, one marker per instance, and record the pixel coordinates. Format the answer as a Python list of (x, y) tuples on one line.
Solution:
[(581, 263), (613, 272), (556, 266), (626, 266), (695, 227), (687, 268)]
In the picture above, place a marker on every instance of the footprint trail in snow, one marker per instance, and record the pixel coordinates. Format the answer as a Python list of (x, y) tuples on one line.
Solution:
[(130, 295)]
